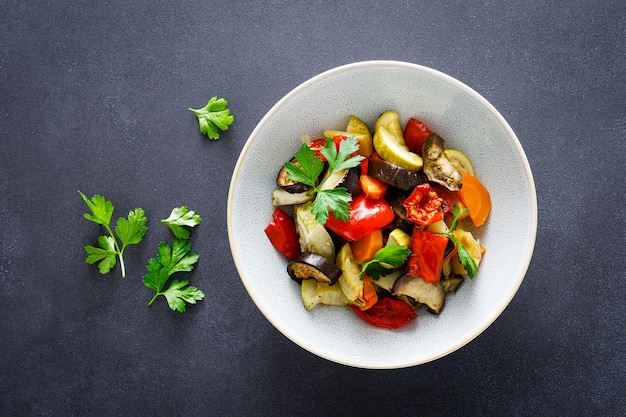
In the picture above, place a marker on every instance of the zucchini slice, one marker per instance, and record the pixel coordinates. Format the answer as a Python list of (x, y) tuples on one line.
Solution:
[(390, 120)]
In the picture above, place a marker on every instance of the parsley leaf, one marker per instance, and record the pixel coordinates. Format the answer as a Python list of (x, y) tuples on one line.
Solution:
[(179, 293), (180, 217), (132, 230), (456, 214), (339, 159), (156, 278), (129, 231), (337, 198), (213, 117), (172, 259), (309, 167), (101, 209), (464, 256), (106, 254), (176, 258), (390, 254)]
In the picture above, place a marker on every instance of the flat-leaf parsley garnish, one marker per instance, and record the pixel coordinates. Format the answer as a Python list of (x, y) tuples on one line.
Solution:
[(464, 256), (129, 231), (308, 168), (390, 254), (213, 117)]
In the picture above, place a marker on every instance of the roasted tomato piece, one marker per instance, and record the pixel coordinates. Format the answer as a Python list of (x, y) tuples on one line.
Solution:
[(427, 253), (388, 313), (424, 206), (415, 134)]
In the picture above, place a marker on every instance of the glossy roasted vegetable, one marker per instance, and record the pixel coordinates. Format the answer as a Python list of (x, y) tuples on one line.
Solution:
[(390, 120), (356, 125), (313, 266), (281, 231), (366, 215), (421, 291), (319, 293), (312, 235), (349, 281), (476, 198), (347, 178), (437, 167), (451, 284), (395, 175), (427, 253), (281, 197), (471, 244), (388, 313), (395, 151), (386, 282), (364, 139), (284, 182)]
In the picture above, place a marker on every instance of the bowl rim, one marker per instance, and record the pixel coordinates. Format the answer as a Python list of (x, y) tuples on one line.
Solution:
[(397, 65)]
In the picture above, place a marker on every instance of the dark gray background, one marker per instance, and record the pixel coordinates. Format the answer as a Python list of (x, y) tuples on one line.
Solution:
[(94, 96)]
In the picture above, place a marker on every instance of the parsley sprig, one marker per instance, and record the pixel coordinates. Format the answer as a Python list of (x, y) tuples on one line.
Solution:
[(390, 254), (213, 117), (464, 256), (309, 167), (179, 218), (129, 231), (172, 259)]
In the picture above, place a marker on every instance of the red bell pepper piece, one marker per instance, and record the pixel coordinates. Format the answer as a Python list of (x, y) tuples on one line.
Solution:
[(366, 215), (427, 253), (424, 206), (388, 313), (415, 134), (281, 231)]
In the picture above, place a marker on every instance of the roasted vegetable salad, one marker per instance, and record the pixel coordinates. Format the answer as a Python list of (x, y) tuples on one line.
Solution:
[(376, 220)]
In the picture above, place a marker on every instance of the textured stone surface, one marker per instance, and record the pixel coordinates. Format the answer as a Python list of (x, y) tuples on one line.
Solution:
[(94, 96)]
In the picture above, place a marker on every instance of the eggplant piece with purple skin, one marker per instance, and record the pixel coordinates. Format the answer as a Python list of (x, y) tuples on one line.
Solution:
[(347, 178), (421, 291), (452, 284), (284, 182), (394, 175), (313, 266), (437, 167), (401, 221)]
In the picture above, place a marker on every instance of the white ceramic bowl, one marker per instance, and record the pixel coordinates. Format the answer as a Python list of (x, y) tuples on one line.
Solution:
[(467, 122)]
